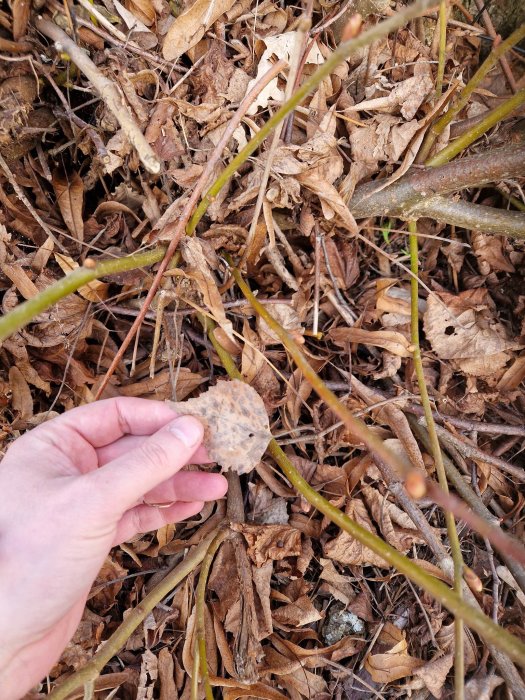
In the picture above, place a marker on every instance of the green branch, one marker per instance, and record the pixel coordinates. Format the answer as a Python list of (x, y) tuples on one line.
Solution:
[(24, 313)]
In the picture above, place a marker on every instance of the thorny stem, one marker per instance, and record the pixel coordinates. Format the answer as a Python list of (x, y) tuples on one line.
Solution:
[(439, 127), (200, 605), (340, 54), (463, 141), (442, 47), (119, 638), (24, 313), (455, 546), (475, 619)]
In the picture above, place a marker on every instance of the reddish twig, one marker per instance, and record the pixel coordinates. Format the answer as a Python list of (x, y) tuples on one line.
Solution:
[(180, 226)]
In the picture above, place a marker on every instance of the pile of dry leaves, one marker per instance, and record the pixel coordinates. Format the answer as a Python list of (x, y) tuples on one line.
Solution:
[(294, 607)]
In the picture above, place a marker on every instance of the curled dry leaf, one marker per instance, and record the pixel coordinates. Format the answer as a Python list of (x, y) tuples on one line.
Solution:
[(393, 341), (267, 542), (236, 427), (395, 663), (189, 27), (464, 328)]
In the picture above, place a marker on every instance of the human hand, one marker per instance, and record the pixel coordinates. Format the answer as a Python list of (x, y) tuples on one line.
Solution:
[(71, 489)]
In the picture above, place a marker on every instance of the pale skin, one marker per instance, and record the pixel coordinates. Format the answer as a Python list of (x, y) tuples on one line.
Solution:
[(71, 489)]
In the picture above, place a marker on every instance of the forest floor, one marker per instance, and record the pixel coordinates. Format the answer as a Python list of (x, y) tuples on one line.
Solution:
[(294, 606)]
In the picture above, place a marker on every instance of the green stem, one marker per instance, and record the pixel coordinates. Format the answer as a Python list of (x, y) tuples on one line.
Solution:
[(340, 54), (455, 546), (484, 626), (464, 96), (24, 313), (463, 141), (119, 638), (200, 606)]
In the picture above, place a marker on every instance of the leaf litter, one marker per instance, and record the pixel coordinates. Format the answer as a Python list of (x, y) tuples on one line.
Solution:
[(294, 607)]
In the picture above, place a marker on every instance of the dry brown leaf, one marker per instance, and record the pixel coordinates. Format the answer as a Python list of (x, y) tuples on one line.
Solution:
[(287, 317), (168, 689), (489, 253), (149, 672), (331, 201), (266, 542), (297, 614), (434, 673), (347, 550), (199, 270), (464, 328), (21, 10), (236, 427), (69, 190), (92, 291), (482, 688), (395, 525), (21, 397), (396, 662), (393, 341), (189, 27), (282, 47)]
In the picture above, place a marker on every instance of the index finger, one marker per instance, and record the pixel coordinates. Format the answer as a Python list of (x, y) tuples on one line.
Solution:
[(105, 421)]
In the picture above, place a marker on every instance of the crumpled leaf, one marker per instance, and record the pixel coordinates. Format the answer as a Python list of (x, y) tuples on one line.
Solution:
[(200, 271), (482, 688), (297, 614), (434, 673), (396, 662), (149, 672), (236, 427), (189, 27), (464, 328), (266, 542), (347, 550), (282, 46), (393, 341)]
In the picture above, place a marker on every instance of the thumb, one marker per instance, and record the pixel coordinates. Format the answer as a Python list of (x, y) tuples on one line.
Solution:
[(127, 478)]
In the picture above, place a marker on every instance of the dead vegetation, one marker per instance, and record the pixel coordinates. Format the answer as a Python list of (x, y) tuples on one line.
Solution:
[(117, 120)]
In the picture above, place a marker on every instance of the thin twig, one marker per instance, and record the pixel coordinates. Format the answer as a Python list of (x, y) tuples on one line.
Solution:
[(487, 21)]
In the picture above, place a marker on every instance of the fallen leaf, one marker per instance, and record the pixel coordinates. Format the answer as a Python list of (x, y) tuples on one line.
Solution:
[(297, 614), (434, 673), (463, 327), (189, 27), (287, 317), (199, 270), (482, 688), (346, 549), (281, 46), (396, 662), (149, 672), (236, 427), (69, 191), (266, 542), (393, 341)]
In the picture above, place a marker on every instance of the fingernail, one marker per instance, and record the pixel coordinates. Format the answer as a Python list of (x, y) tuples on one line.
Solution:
[(187, 430)]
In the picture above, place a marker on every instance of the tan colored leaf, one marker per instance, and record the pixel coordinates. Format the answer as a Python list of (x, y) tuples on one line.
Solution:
[(464, 327), (200, 270), (482, 688), (393, 341), (149, 672), (396, 662), (69, 191), (236, 427), (395, 525), (266, 542), (168, 689), (297, 614), (19, 277), (143, 11), (287, 316), (347, 550), (92, 291), (434, 673), (489, 253), (331, 201), (21, 398), (189, 27), (281, 46)]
